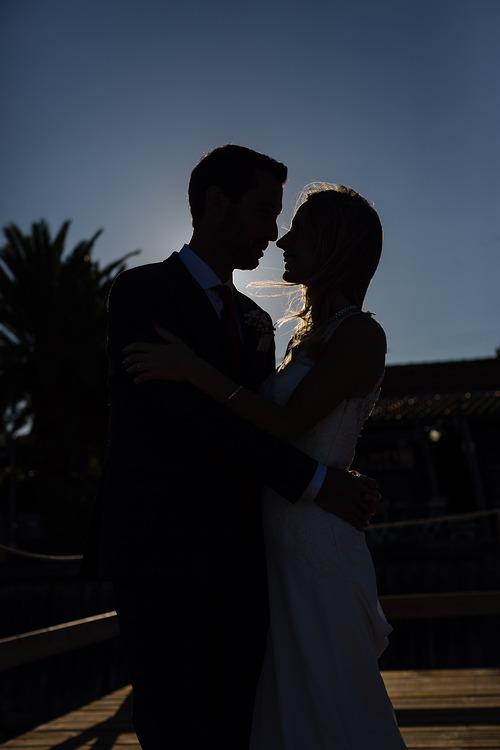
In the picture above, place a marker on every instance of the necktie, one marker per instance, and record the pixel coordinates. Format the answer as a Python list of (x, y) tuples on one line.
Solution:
[(230, 323)]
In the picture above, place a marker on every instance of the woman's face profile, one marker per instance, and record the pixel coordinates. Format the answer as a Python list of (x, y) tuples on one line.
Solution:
[(299, 246)]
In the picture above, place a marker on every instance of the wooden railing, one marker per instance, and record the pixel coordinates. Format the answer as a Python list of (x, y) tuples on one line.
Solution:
[(58, 639), (456, 604)]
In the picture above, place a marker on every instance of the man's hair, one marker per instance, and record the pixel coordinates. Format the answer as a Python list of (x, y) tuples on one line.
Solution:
[(232, 169)]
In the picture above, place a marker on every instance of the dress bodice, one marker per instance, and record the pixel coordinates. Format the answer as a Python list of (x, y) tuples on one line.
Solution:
[(331, 441)]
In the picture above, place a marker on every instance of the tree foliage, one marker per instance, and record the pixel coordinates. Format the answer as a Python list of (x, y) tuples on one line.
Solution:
[(53, 371)]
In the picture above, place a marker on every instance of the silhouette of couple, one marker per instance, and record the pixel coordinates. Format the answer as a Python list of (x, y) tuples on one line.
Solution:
[(204, 434)]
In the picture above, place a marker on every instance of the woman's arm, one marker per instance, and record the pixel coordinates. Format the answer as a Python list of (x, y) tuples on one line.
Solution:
[(350, 364)]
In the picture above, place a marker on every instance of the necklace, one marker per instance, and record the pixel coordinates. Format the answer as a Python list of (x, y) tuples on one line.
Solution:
[(339, 313), (318, 334)]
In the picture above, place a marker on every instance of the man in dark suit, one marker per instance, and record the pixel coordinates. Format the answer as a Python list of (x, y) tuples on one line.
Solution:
[(177, 526)]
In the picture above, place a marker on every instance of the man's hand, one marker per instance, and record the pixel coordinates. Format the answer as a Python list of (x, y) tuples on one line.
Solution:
[(146, 361), (350, 496)]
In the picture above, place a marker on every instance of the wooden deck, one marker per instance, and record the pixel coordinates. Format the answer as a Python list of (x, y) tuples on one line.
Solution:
[(452, 709)]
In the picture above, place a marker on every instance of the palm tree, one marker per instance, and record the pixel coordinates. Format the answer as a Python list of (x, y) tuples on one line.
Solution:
[(53, 367)]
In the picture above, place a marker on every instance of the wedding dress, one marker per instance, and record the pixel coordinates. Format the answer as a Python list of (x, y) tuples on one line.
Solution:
[(320, 686)]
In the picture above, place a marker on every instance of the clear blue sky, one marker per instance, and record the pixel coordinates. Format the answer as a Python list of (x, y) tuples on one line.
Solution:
[(108, 104)]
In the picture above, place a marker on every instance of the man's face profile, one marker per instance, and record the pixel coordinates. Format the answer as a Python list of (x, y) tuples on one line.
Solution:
[(250, 224)]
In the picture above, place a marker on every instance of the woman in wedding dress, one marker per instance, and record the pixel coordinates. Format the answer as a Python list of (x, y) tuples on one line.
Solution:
[(320, 685)]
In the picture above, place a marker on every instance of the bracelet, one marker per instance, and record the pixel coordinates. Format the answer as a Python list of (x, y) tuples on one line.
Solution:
[(232, 395)]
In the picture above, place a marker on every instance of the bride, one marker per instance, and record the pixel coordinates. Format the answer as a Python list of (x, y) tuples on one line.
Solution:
[(320, 685)]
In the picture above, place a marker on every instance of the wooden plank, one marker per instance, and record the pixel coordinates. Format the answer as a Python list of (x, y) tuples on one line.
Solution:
[(444, 688), (48, 740), (106, 724), (452, 738), (455, 604), (40, 644)]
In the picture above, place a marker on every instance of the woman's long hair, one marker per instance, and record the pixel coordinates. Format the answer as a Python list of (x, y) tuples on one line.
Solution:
[(348, 247)]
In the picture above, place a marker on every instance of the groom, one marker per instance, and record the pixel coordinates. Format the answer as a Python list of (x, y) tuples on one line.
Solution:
[(177, 526)]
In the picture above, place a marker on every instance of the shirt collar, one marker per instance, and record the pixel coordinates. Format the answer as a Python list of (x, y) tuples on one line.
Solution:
[(200, 271)]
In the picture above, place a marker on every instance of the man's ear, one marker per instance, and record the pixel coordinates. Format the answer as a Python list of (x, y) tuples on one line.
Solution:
[(217, 203)]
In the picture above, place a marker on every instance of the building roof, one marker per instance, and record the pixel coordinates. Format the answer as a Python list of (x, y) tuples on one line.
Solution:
[(440, 390), (442, 377), (437, 406)]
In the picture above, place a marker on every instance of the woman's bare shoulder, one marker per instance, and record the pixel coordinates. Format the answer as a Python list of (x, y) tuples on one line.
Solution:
[(361, 330), (359, 346)]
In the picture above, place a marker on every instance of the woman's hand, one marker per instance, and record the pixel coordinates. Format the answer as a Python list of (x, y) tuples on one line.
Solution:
[(173, 361)]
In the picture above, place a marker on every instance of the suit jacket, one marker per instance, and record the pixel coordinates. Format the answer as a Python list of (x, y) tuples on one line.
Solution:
[(179, 465)]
